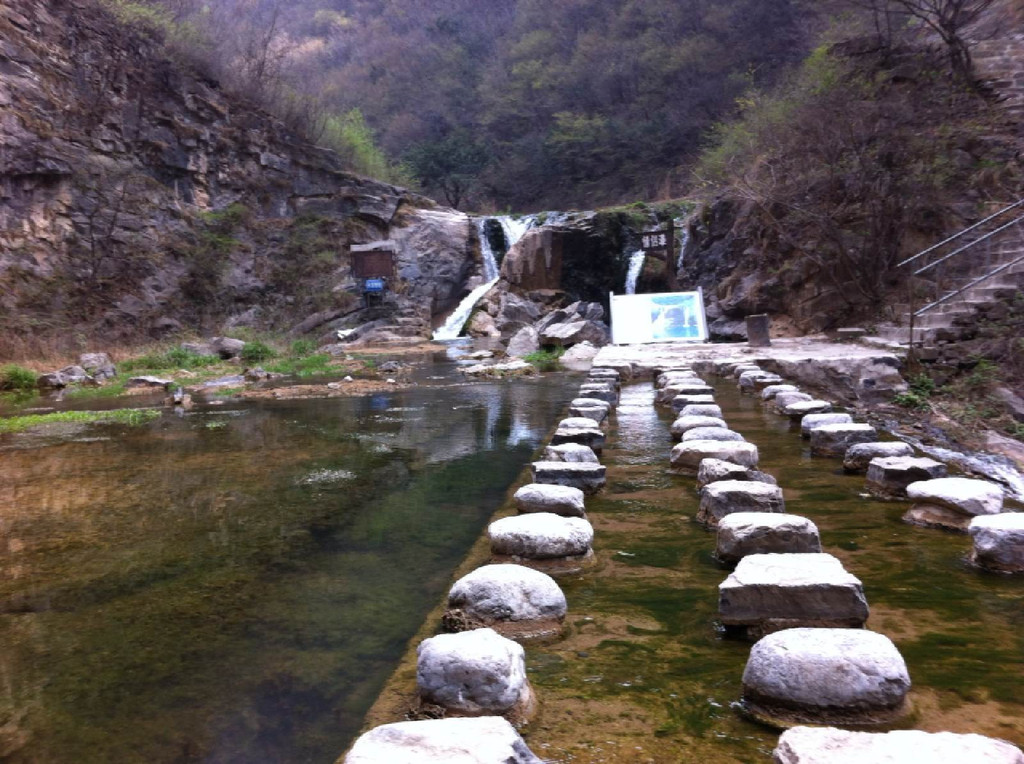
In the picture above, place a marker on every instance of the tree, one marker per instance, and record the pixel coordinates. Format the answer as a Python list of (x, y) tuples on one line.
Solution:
[(450, 165)]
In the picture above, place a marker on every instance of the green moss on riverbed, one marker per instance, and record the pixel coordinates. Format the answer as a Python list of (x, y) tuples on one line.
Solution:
[(117, 416)]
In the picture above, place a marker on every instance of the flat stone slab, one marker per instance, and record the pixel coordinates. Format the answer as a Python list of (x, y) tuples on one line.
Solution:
[(606, 393), (745, 533), (781, 400), (474, 673), (767, 592), (586, 476), (859, 456), (964, 495), (812, 421), (665, 395), (540, 536), (825, 676), (836, 439), (591, 408), (688, 456), (802, 408), (558, 499), (481, 740), (711, 433), (742, 368), (717, 500), (684, 424), (682, 401), (828, 745), (678, 377), (998, 542), (701, 409), (570, 452), (752, 381), (769, 393), (514, 600), (581, 430), (715, 470), (889, 476)]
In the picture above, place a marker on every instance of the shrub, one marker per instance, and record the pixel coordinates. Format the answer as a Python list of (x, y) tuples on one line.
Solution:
[(14, 377), (546, 359), (256, 352), (302, 347)]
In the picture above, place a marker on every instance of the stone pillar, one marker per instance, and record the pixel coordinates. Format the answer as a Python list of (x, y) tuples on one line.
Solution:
[(758, 331)]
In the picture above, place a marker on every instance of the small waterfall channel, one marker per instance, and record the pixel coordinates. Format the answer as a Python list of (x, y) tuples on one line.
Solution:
[(636, 264), (513, 228)]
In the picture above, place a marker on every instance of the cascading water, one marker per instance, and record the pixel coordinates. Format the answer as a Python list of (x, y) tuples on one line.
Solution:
[(636, 264), (514, 228)]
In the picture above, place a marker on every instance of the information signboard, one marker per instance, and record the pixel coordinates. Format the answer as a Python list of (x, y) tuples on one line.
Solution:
[(665, 317)]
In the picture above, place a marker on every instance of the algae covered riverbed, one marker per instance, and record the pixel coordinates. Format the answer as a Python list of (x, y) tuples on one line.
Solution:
[(236, 584)]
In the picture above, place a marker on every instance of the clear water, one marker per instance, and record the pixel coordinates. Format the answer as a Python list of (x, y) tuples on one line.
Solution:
[(236, 585)]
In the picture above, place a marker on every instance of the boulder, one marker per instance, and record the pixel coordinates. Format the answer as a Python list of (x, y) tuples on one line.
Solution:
[(998, 542), (474, 673), (198, 348), (744, 533), (829, 745), (481, 740), (714, 470), (591, 408), (74, 374), (801, 408), (701, 409), (523, 343), (569, 452), (781, 400), (512, 599), (836, 439), (226, 347), (889, 476), (557, 499), (149, 382), (711, 433), (688, 456), (575, 332), (481, 324), (963, 495), (812, 421), (53, 380), (768, 592), (727, 496), (684, 424), (823, 676), (515, 368), (579, 357), (98, 365), (587, 476), (858, 456), (540, 536), (769, 393)]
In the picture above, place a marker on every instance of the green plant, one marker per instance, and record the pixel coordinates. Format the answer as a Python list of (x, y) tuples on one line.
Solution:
[(117, 416), (301, 348), (256, 352), (175, 358), (14, 377), (922, 385), (911, 400), (545, 359), (307, 366)]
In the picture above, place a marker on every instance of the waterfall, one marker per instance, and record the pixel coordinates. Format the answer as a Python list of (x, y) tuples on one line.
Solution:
[(684, 239), (636, 264), (513, 229)]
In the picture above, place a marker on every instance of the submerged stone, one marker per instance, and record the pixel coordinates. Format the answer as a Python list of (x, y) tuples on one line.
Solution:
[(512, 599), (480, 740), (540, 536), (558, 499), (998, 542), (727, 496), (745, 533), (829, 745)]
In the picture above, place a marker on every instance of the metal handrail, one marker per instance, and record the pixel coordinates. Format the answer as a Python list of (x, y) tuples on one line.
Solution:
[(967, 286), (965, 247), (955, 236)]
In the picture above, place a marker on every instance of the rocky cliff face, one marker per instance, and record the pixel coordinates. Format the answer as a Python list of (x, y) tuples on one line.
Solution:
[(137, 198)]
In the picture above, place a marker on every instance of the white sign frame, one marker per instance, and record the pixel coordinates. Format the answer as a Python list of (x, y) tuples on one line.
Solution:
[(661, 317)]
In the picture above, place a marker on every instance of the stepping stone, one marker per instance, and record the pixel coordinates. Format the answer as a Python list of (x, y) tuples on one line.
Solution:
[(751, 381), (570, 452), (684, 424), (801, 408), (666, 395), (829, 745), (744, 533), (558, 499), (999, 542), (951, 502), (769, 393), (836, 439), (701, 409), (688, 456), (825, 676), (605, 393), (859, 456), (580, 430), (681, 377), (474, 673), (768, 592), (586, 476), (711, 433), (715, 470), (512, 599), (483, 740), (811, 421), (604, 375), (682, 401), (541, 536), (742, 368), (727, 496), (781, 400), (889, 476), (591, 408)]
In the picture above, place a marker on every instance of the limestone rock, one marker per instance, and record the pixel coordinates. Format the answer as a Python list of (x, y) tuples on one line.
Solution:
[(777, 591), (682, 401), (516, 368), (667, 378), (684, 424), (572, 430), (688, 456), (744, 533), (98, 365), (769, 393), (800, 408), (727, 496), (473, 673), (829, 745), (889, 476), (753, 381), (591, 408), (783, 399), (557, 499), (574, 332), (540, 536), (711, 433), (701, 409), (858, 456), (714, 470), (227, 347), (964, 495), (53, 380), (836, 439), (579, 357), (587, 476), (570, 452), (999, 542), (665, 395), (811, 421), (818, 676), (481, 740), (600, 391), (509, 598), (149, 382), (481, 324)]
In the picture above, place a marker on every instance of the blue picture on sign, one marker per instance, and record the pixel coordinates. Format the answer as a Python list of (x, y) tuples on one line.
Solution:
[(373, 285), (675, 317)]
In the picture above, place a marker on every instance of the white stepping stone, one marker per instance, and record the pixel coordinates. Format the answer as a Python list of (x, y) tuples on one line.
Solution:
[(836, 439), (561, 500), (859, 456), (999, 542), (570, 452), (715, 470), (727, 496), (540, 536), (606, 393), (701, 409), (688, 456), (665, 395), (711, 433), (591, 408), (781, 400), (682, 401), (742, 368), (829, 745), (752, 381), (512, 599), (580, 430), (586, 476), (811, 421), (682, 377), (769, 393), (480, 740), (684, 424), (802, 408), (965, 495), (474, 673), (889, 476), (778, 591), (745, 533)]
